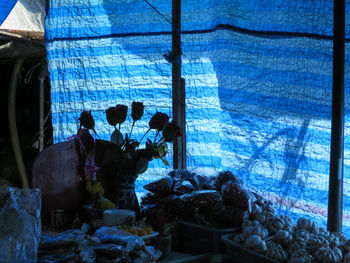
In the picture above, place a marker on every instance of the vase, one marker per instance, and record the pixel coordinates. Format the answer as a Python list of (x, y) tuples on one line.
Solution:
[(120, 189)]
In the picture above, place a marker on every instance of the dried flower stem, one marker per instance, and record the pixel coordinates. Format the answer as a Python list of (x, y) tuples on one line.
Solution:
[(144, 135), (132, 126), (156, 136), (160, 140)]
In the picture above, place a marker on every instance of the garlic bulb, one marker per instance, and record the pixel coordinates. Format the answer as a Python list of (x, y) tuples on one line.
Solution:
[(302, 233), (303, 223), (275, 223), (346, 258), (247, 223), (287, 219), (328, 255), (263, 217), (276, 251), (308, 224), (256, 243), (345, 246), (258, 230), (300, 256), (342, 238), (315, 242), (297, 244), (333, 240), (283, 237), (314, 228)]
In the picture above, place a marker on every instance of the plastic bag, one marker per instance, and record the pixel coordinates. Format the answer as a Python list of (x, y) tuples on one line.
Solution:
[(114, 235), (109, 250), (151, 199), (68, 246), (181, 174), (204, 183), (163, 186), (20, 224), (61, 240), (184, 187), (230, 216), (234, 194), (59, 255), (223, 177), (175, 206), (204, 199)]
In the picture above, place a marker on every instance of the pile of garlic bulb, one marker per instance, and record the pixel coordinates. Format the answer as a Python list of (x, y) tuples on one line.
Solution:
[(276, 237)]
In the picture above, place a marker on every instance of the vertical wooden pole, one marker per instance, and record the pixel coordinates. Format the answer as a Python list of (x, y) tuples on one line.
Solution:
[(183, 124), (179, 158), (335, 197)]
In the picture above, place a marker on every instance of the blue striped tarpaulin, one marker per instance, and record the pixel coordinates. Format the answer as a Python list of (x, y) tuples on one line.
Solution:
[(5, 9), (258, 86)]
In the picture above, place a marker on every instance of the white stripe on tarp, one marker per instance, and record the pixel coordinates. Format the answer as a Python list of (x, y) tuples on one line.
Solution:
[(79, 106), (262, 61)]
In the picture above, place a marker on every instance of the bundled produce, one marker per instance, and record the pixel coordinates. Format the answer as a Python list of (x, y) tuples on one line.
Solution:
[(223, 177), (204, 199), (220, 201), (228, 214), (234, 194), (161, 187), (203, 182), (184, 187)]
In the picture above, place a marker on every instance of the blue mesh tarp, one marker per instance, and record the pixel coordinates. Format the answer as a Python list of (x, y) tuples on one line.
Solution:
[(258, 86), (6, 8)]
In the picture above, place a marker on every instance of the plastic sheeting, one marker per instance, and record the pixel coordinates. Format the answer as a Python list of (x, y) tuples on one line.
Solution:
[(258, 86), (27, 15), (20, 224)]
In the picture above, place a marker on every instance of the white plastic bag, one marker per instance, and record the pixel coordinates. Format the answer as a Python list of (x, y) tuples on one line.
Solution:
[(20, 225)]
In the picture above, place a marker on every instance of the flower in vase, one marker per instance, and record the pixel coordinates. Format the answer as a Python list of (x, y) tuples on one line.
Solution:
[(116, 115), (171, 131), (158, 121), (86, 120), (127, 157), (122, 112), (137, 109), (112, 116)]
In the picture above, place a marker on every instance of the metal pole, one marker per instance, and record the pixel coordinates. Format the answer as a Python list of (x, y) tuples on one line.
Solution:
[(335, 197), (179, 155)]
